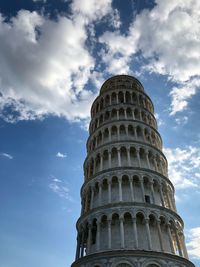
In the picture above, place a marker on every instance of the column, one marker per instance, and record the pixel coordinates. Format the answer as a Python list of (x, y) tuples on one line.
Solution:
[(82, 243), (135, 133), (78, 247), (89, 238), (170, 239), (86, 201), (126, 129), (178, 243), (100, 193), (117, 98), (161, 195), (131, 187), (135, 232), (142, 188), (160, 235), (184, 247), (101, 162), (109, 191), (155, 164), (98, 235), (109, 159), (140, 115), (117, 114), (122, 231), (120, 189), (168, 198), (119, 157), (92, 197), (152, 191), (128, 156), (125, 114), (118, 133), (94, 167), (148, 233), (109, 134), (109, 233), (124, 98), (147, 159), (138, 157)]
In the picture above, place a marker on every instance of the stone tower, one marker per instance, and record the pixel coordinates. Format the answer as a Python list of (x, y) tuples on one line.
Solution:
[(128, 216)]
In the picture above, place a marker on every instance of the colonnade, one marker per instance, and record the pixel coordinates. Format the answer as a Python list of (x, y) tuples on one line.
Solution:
[(121, 113), (121, 97), (120, 132), (128, 231), (125, 156), (126, 188)]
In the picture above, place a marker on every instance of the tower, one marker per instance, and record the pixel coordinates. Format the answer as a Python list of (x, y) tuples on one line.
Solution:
[(128, 216)]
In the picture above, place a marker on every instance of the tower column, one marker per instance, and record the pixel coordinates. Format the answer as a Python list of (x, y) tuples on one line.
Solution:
[(178, 242), (142, 188), (148, 233), (109, 191), (119, 157), (170, 238), (131, 187), (100, 193), (89, 238), (160, 235), (121, 220), (109, 233), (98, 234), (135, 233), (78, 247), (120, 188)]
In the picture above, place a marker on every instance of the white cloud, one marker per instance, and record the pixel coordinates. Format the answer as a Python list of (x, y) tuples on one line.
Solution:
[(194, 241), (61, 155), (168, 38), (60, 188), (92, 9), (6, 155), (183, 165)]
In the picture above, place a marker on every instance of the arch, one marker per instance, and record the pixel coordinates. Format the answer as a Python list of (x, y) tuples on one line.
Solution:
[(128, 97), (130, 131), (114, 157), (114, 98), (121, 97), (106, 134), (122, 130)]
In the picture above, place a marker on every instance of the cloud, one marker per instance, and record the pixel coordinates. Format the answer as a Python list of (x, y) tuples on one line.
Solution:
[(45, 70), (61, 155), (183, 165), (60, 188), (194, 241), (167, 39), (6, 155)]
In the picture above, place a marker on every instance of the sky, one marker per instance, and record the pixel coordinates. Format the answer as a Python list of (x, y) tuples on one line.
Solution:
[(54, 56)]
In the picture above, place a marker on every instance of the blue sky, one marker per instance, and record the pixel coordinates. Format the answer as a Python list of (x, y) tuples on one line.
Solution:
[(54, 56)]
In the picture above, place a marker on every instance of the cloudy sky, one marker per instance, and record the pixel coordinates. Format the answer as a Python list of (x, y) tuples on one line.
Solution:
[(54, 55)]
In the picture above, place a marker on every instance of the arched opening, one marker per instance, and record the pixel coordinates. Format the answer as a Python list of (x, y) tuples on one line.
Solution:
[(121, 97), (114, 158), (115, 236), (141, 229), (114, 133), (104, 233), (114, 189), (126, 193), (114, 98), (124, 160), (128, 231)]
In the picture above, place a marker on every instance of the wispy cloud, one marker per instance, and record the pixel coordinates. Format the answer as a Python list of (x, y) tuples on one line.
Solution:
[(194, 242), (184, 165), (61, 155), (59, 187), (6, 155)]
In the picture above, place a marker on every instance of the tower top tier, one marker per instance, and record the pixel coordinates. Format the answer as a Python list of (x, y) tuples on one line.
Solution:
[(121, 81)]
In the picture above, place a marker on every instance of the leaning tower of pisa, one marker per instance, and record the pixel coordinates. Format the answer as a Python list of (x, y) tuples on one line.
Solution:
[(128, 216)]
